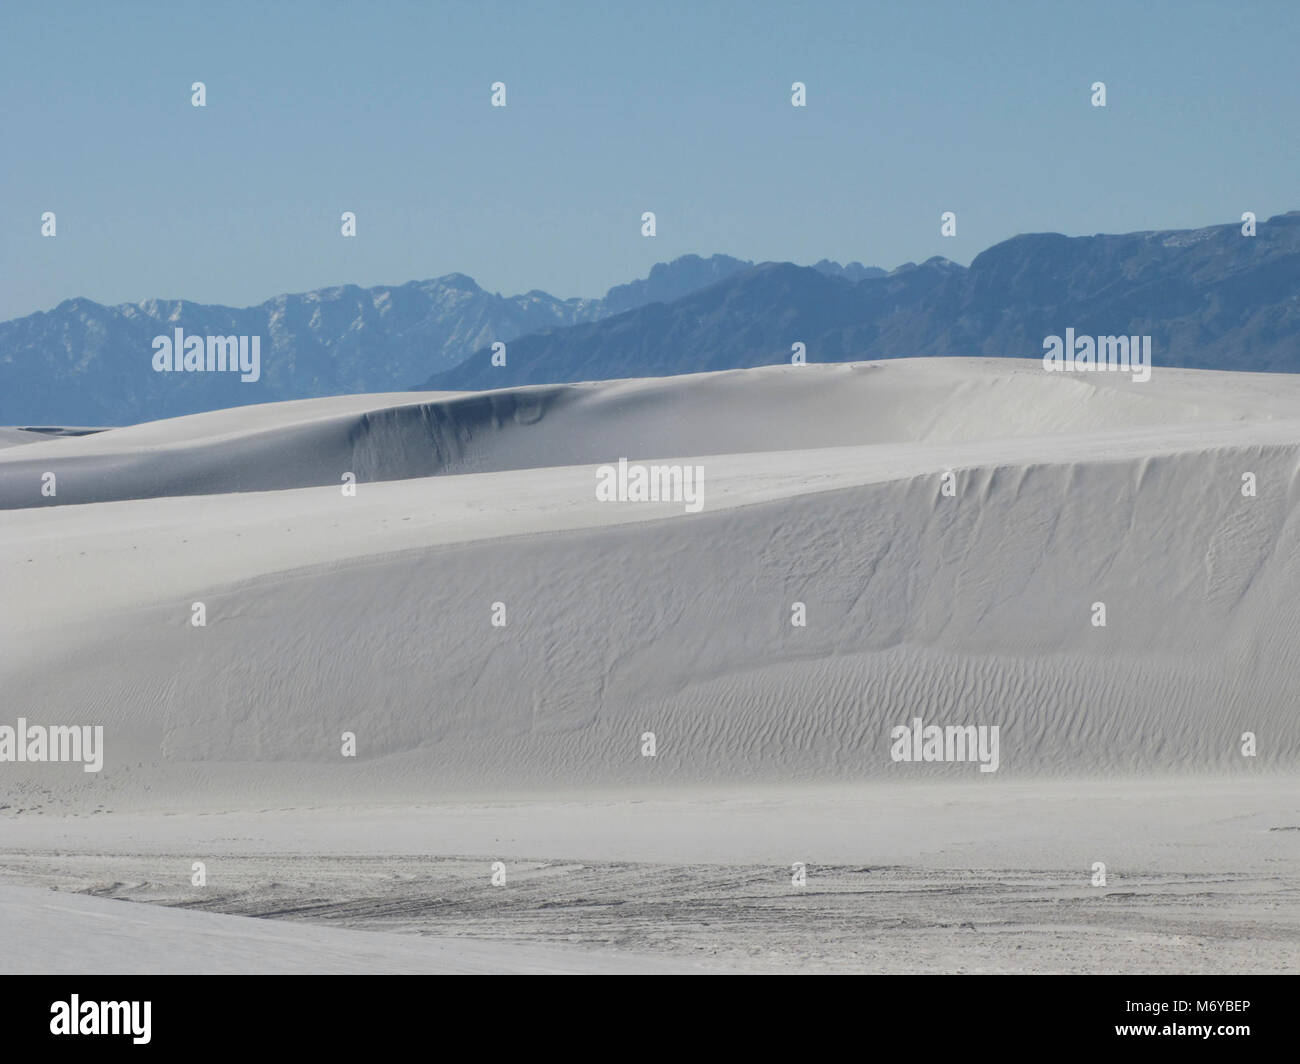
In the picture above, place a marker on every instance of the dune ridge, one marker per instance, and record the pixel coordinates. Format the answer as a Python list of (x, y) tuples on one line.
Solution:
[(372, 615), (309, 443)]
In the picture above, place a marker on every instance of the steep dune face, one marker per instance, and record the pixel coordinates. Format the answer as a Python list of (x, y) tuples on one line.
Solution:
[(406, 435), (373, 615)]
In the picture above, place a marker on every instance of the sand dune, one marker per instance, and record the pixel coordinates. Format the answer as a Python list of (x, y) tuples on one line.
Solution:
[(406, 435), (828, 486), (372, 615)]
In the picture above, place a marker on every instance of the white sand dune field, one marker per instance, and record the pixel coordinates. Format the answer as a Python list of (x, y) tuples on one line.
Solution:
[(950, 527)]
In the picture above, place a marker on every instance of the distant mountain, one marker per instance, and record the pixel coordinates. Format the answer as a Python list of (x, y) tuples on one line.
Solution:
[(670, 281), (1209, 298), (854, 271), (83, 363)]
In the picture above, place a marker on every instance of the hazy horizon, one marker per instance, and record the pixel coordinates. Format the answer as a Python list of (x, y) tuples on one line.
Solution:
[(685, 112), (704, 255)]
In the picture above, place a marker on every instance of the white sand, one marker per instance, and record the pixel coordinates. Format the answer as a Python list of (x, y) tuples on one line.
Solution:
[(47, 933), (372, 614)]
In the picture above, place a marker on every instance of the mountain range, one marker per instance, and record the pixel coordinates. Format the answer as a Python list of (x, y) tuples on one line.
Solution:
[(1209, 297), (89, 364)]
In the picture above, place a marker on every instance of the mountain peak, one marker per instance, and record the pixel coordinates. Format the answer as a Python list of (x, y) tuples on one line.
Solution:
[(1208, 297)]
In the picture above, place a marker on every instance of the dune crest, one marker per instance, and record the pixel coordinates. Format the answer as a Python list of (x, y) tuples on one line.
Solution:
[(948, 553)]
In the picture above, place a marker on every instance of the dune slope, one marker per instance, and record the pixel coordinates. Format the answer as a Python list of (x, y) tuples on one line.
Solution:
[(373, 614)]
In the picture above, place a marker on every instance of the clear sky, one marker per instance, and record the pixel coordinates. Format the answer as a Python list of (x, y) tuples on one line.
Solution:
[(383, 108)]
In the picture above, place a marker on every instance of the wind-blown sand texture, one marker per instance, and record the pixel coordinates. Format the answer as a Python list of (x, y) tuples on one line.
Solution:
[(822, 485)]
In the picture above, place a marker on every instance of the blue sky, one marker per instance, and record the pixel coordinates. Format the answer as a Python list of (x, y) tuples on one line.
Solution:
[(382, 108)]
